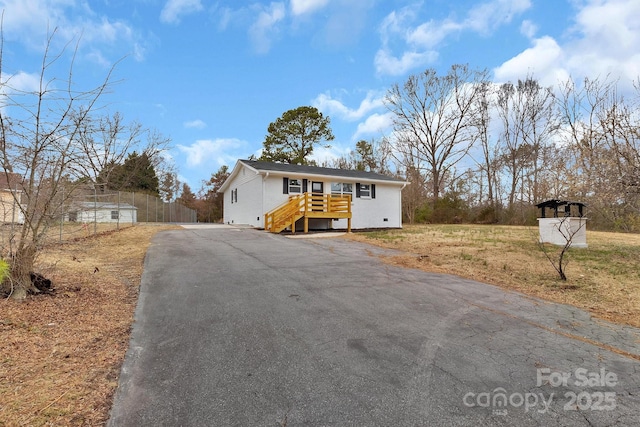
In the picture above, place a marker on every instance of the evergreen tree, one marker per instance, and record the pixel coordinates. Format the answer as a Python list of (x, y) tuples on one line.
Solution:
[(187, 198), (292, 137), (135, 174)]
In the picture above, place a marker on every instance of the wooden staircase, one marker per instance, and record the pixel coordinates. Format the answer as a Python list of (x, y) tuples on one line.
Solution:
[(308, 205)]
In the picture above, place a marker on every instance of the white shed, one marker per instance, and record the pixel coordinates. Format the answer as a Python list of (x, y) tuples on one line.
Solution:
[(103, 212), (258, 193), (567, 224), (10, 212)]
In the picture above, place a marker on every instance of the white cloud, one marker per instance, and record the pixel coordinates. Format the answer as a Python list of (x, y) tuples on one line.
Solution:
[(21, 81), (195, 124), (31, 21), (333, 107), (431, 34), (542, 60), (395, 24), (607, 41), (342, 22), (388, 64), (528, 29), (420, 41), (323, 154), (489, 15), (604, 41), (301, 7), (375, 124), (174, 10), (264, 29), (220, 151)]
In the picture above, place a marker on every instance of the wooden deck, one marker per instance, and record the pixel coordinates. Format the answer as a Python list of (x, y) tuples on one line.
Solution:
[(308, 205)]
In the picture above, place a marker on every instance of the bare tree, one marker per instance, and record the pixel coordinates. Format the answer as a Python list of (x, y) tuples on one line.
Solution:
[(580, 108), (602, 128), (434, 119), (103, 145), (40, 132), (489, 155), (169, 184), (558, 259)]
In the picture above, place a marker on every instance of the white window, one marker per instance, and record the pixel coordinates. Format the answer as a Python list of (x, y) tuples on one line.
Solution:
[(365, 190), (341, 188), (295, 186)]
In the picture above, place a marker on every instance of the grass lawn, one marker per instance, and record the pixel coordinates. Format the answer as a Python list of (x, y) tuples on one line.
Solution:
[(603, 278), (60, 354)]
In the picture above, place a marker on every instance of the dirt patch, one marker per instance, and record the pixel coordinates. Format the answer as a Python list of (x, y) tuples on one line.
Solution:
[(61, 353)]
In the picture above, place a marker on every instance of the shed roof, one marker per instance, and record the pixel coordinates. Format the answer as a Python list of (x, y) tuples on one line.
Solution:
[(11, 181), (104, 205)]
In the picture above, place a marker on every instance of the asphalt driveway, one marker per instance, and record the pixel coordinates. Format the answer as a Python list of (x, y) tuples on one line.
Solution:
[(237, 327)]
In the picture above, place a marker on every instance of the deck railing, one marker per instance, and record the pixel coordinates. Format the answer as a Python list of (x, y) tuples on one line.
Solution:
[(308, 205)]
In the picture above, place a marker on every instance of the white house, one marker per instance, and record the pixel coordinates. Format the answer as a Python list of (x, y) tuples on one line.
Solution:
[(10, 191), (103, 212), (10, 212), (256, 192)]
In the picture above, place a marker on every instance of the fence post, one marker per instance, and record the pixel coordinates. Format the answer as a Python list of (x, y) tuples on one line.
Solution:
[(95, 210), (61, 214), (133, 207), (118, 207)]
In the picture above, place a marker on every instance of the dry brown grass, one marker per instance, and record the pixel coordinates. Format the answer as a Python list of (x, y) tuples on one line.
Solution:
[(61, 354), (603, 279)]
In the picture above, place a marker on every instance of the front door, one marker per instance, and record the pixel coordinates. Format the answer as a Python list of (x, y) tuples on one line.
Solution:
[(317, 190)]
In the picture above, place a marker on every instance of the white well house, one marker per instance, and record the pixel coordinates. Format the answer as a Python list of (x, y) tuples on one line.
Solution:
[(562, 222)]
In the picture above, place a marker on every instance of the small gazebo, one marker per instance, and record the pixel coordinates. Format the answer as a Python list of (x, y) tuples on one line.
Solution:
[(566, 224)]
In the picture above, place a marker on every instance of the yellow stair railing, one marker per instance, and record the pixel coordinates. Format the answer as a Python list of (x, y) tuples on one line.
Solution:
[(308, 205)]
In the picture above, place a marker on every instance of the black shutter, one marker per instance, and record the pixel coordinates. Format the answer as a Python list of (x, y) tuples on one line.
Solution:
[(373, 191), (304, 185), (285, 185), (357, 189)]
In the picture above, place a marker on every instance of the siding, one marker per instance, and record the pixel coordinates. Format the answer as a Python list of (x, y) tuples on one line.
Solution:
[(104, 215), (248, 208), (9, 212), (261, 193), (371, 213)]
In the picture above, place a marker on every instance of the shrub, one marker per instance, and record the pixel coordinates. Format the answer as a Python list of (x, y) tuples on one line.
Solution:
[(5, 271)]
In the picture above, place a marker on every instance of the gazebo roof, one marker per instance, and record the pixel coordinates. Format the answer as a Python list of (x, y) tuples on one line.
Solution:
[(557, 203), (554, 203)]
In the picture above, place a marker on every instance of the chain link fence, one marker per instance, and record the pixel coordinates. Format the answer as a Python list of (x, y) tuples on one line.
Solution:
[(87, 212)]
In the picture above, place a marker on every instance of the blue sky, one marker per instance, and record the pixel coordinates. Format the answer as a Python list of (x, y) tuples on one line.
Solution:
[(212, 75)]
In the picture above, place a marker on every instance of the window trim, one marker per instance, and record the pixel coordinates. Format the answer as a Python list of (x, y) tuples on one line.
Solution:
[(365, 193), (342, 191), (369, 193), (298, 185)]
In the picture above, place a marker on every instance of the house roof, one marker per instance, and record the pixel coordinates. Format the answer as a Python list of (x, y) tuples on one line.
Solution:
[(286, 169), (11, 181)]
